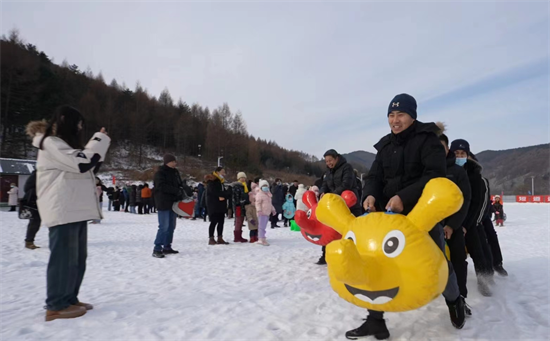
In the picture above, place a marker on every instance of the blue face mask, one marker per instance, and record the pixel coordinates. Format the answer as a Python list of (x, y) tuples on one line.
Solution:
[(265, 189), (461, 161)]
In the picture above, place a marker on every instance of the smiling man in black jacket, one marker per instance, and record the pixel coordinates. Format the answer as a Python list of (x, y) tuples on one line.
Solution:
[(407, 158)]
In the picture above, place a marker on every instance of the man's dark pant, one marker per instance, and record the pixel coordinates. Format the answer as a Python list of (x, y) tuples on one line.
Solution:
[(486, 249), (457, 247), (165, 233), (473, 244), (492, 239), (67, 265), (32, 229)]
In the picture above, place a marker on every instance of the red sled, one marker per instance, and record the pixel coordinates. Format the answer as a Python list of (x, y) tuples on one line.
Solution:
[(184, 208)]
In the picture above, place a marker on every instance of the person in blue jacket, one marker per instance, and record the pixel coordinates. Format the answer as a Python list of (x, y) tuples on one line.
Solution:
[(288, 209)]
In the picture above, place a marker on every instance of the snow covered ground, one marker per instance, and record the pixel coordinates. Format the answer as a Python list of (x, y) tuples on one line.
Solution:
[(250, 292)]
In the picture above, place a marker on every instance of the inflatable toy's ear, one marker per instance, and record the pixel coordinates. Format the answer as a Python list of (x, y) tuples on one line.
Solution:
[(310, 199), (333, 212), (440, 199), (350, 198)]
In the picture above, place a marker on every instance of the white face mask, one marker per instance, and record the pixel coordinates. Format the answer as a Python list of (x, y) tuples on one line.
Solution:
[(265, 189)]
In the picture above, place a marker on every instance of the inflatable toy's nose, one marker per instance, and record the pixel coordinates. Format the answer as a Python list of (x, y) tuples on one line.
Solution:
[(347, 265)]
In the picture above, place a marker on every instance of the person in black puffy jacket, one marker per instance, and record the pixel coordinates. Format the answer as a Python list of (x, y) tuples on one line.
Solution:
[(169, 188), (216, 202), (406, 159)]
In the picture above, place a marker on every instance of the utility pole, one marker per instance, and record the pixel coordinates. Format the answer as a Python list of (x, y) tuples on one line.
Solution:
[(532, 185)]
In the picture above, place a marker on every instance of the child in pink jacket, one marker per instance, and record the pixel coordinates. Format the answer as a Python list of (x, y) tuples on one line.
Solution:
[(264, 209)]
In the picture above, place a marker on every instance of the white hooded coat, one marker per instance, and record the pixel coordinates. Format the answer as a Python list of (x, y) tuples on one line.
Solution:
[(65, 183)]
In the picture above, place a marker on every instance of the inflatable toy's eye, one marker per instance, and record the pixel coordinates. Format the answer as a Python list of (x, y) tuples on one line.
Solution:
[(309, 214), (351, 235), (394, 243)]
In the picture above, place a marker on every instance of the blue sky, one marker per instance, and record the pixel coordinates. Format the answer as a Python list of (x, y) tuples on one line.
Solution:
[(312, 75)]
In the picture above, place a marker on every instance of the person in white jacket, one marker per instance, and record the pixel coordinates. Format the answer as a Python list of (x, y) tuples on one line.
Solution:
[(13, 198), (298, 197), (67, 200)]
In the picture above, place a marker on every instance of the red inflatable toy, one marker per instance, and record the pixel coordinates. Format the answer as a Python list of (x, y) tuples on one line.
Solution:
[(312, 230)]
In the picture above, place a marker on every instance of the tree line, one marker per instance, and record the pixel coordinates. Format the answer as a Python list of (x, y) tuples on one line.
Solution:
[(32, 86)]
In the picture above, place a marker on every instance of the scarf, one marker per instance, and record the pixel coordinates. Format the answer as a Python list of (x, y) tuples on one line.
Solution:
[(245, 187), (222, 180)]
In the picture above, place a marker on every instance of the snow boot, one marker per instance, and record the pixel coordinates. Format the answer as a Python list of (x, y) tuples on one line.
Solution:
[(221, 241), (158, 254), (88, 306), (500, 270), (30, 245), (170, 251), (483, 286), (70, 312), (212, 241), (239, 238), (322, 260), (457, 312), (253, 239), (263, 241), (372, 326)]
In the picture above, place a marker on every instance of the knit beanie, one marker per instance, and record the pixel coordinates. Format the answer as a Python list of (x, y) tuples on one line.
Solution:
[(241, 175), (404, 103), (168, 158), (263, 183), (460, 144)]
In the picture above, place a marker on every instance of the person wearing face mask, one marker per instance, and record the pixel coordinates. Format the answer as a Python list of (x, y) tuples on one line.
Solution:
[(406, 159), (453, 224), (264, 208), (13, 197), (474, 235)]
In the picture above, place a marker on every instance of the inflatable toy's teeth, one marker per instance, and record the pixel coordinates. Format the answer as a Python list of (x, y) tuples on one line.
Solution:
[(373, 297), (313, 237)]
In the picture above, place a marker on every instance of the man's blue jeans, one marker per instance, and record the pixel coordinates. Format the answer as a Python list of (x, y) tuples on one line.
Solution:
[(165, 233)]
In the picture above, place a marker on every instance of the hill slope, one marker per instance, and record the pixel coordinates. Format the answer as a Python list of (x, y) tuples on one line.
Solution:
[(508, 171)]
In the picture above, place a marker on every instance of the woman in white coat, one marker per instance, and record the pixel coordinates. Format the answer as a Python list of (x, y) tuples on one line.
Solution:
[(67, 200), (14, 196)]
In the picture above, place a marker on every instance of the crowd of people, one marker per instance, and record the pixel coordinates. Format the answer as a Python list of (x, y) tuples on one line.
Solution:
[(68, 195)]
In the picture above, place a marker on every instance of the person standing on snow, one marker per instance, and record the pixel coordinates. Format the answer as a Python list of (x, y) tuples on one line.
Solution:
[(474, 233), (146, 195), (453, 224), (132, 193), (293, 189), (240, 201), (13, 197), (35, 221), (251, 213), (67, 200), (198, 205), (407, 158), (491, 234), (338, 178), (288, 209), (499, 211), (278, 201), (265, 209), (216, 202), (169, 188)]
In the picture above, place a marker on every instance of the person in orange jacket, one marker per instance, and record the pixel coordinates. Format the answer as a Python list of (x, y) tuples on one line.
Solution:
[(146, 195)]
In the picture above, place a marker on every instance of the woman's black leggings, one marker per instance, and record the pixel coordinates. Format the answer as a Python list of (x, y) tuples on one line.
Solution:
[(216, 219)]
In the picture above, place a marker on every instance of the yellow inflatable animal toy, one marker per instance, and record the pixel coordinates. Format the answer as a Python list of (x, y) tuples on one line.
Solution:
[(388, 261)]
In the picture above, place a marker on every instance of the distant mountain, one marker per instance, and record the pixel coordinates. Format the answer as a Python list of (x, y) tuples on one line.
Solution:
[(508, 171), (360, 159)]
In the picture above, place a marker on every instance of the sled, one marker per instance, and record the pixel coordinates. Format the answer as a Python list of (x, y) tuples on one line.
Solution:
[(184, 208)]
